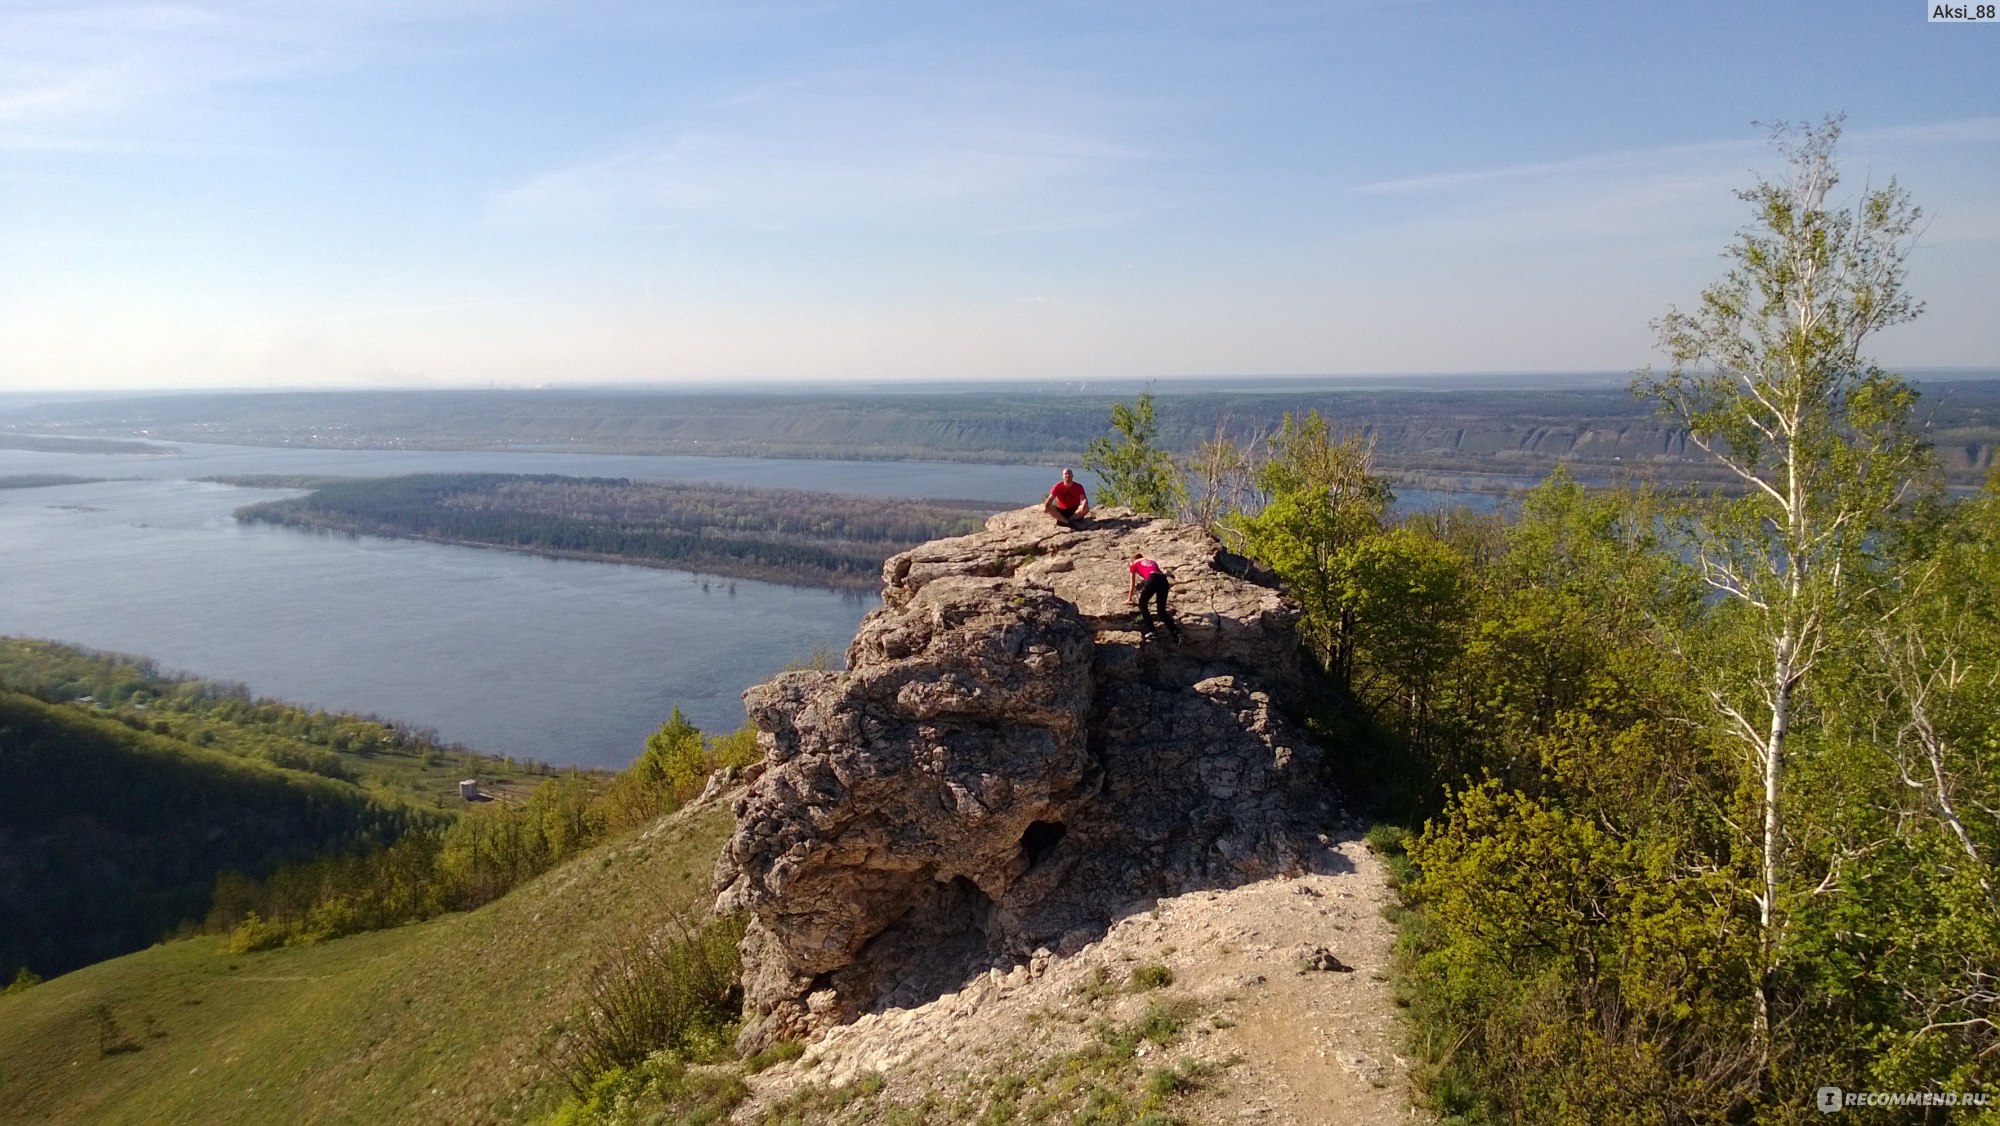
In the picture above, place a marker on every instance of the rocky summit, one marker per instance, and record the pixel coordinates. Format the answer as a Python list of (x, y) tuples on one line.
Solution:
[(1006, 767)]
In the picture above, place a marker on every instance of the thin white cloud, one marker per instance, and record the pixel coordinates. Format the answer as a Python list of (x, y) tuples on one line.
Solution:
[(1655, 199), (1964, 130), (882, 146), (69, 71), (1596, 166), (1084, 221), (1647, 162)]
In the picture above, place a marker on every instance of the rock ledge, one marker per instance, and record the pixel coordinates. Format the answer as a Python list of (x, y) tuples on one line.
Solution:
[(1004, 768)]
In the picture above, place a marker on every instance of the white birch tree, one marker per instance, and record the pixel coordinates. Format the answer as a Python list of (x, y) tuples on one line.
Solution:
[(1769, 379)]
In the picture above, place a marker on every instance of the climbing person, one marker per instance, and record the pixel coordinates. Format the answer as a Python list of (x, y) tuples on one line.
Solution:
[(1067, 504), (1149, 585)]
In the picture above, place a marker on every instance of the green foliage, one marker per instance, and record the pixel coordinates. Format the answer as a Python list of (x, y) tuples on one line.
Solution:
[(1161, 1022), (24, 979), (1581, 977), (1151, 975), (1585, 945), (673, 768), (1718, 776), (739, 748), (1136, 472), (481, 855), (1409, 596), (784, 1051), (1322, 500), (662, 1088), (1588, 940)]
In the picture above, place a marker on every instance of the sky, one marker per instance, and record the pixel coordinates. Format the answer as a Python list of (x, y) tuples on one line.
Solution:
[(427, 193)]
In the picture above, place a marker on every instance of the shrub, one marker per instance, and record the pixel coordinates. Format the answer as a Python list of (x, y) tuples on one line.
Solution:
[(784, 1051), (670, 990)]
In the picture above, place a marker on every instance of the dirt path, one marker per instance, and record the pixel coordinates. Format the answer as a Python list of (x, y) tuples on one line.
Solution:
[(1253, 1030)]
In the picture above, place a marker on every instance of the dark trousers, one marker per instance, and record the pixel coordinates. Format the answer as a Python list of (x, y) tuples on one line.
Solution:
[(1155, 589)]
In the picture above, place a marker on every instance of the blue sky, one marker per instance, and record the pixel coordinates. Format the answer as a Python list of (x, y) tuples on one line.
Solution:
[(447, 192)]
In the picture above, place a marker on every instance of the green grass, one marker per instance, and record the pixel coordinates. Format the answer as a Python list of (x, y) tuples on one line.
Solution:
[(447, 1020), (784, 1051)]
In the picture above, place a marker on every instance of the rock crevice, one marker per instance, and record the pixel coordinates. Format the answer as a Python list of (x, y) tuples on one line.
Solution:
[(1004, 767)]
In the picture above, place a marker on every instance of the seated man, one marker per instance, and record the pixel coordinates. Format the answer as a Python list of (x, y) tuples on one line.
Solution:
[(1066, 502)]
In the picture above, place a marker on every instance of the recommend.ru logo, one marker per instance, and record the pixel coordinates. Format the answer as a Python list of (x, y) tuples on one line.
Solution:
[(1830, 1099)]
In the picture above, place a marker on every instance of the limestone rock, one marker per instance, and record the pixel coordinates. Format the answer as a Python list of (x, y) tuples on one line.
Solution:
[(1004, 767)]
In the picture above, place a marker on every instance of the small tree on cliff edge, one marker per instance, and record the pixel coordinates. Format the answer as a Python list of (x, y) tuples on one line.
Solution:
[(1136, 472), (1768, 378)]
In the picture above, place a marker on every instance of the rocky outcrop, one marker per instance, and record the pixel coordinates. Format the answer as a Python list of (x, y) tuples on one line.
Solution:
[(1005, 767)]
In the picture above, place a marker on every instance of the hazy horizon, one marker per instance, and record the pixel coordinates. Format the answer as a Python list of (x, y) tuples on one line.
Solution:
[(1159, 385)]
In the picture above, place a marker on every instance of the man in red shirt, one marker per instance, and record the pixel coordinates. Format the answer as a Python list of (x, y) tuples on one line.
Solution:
[(1066, 502), (1149, 585)]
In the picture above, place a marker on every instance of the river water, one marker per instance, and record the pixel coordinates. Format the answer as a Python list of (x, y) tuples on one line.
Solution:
[(569, 662)]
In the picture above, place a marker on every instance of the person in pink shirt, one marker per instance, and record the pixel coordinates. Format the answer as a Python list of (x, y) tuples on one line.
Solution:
[(1066, 502), (1149, 586)]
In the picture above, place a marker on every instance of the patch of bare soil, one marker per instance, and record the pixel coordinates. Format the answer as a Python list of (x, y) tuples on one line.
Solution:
[(1269, 1002)]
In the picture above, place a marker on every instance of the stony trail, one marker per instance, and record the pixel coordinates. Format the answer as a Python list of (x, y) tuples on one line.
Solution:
[(1310, 1047)]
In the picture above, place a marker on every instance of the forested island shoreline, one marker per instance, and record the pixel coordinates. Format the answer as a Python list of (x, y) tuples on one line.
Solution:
[(45, 480), (787, 536)]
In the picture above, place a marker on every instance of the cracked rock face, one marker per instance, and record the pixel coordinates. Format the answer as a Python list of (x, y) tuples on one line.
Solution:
[(1005, 768)]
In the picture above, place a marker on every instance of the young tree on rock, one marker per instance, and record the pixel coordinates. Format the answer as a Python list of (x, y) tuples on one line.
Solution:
[(1136, 472)]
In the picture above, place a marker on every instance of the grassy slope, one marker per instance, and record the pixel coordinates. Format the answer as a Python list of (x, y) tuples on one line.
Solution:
[(440, 1021)]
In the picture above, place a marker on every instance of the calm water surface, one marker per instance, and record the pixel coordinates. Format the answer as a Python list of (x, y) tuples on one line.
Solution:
[(569, 662)]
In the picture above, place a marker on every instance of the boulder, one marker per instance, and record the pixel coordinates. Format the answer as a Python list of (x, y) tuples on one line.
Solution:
[(1004, 766)]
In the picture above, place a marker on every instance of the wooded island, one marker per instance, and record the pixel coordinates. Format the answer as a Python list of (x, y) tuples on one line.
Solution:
[(775, 535)]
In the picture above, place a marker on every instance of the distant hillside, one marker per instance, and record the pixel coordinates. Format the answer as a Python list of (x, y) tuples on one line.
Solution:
[(1475, 432), (395, 761), (130, 790), (111, 837), (449, 1020)]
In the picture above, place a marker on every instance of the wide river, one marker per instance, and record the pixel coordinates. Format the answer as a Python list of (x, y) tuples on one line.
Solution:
[(572, 663)]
